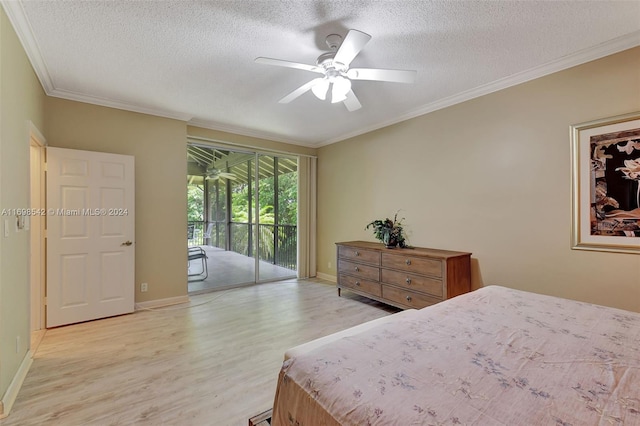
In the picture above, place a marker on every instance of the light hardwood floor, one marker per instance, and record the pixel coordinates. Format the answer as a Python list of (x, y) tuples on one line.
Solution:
[(214, 361)]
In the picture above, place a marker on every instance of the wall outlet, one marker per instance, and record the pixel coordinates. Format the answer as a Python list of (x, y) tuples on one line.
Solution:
[(144, 287)]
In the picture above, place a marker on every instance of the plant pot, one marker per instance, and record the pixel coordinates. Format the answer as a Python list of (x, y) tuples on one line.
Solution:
[(391, 243)]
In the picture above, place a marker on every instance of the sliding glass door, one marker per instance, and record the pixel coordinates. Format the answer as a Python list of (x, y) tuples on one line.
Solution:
[(277, 209), (249, 215)]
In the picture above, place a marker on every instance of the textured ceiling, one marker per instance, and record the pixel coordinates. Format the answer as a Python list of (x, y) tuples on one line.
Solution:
[(195, 60)]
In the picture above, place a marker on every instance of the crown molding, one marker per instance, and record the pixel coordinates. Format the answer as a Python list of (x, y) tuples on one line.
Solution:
[(111, 103), (18, 19), (616, 45)]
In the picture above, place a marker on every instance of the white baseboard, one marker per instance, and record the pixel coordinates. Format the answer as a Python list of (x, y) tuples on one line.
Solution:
[(327, 277), (160, 303), (14, 387)]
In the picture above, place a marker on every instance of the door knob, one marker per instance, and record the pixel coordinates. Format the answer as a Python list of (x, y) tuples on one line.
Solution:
[(126, 243)]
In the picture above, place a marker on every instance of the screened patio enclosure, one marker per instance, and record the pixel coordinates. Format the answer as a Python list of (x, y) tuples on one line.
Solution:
[(242, 209)]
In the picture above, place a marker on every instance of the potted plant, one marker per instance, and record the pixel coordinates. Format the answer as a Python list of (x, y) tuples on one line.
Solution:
[(389, 232)]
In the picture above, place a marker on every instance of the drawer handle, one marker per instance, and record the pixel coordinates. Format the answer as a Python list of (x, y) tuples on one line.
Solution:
[(357, 269), (408, 280), (358, 283), (357, 253), (408, 262), (408, 298)]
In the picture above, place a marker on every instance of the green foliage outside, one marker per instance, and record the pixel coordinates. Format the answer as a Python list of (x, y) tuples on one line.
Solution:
[(287, 214), (287, 205), (195, 203), (288, 198), (265, 233)]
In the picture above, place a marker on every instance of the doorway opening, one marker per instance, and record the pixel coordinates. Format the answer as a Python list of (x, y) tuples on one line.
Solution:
[(242, 217), (36, 225)]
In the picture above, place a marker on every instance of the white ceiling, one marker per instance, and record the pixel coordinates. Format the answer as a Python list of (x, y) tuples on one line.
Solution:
[(194, 60)]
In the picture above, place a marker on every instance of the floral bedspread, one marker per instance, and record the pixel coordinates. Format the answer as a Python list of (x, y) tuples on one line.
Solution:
[(495, 356)]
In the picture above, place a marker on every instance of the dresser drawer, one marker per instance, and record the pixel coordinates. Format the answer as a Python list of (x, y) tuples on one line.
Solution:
[(359, 255), (418, 265), (371, 287), (359, 270), (408, 298), (413, 282)]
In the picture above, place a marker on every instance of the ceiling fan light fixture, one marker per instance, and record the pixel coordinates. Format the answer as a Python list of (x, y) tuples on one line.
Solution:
[(320, 89), (334, 67), (341, 86)]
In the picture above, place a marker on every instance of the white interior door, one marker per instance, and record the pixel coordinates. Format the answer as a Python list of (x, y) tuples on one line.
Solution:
[(90, 234)]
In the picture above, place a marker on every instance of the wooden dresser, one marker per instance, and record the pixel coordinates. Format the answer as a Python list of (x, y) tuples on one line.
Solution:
[(407, 278)]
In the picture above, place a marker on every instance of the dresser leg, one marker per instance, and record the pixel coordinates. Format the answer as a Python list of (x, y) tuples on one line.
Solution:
[(339, 291)]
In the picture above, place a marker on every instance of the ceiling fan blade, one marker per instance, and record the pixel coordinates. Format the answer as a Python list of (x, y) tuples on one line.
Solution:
[(351, 46), (288, 64), (218, 177), (376, 74), (300, 91), (229, 176), (351, 102)]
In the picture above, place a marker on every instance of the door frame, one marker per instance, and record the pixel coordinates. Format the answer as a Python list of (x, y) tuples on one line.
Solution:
[(37, 226)]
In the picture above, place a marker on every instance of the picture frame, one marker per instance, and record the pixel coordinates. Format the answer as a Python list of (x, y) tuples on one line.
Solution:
[(606, 184)]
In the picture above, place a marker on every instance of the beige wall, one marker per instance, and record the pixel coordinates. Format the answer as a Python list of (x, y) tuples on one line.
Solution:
[(159, 148), (21, 100), (490, 176)]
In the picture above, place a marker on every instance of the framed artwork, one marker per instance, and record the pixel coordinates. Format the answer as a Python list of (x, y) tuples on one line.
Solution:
[(606, 184)]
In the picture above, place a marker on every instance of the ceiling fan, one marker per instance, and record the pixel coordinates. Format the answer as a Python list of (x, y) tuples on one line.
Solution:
[(334, 67), (213, 174)]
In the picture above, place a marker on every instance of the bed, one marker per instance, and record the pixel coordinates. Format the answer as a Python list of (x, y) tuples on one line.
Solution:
[(495, 356)]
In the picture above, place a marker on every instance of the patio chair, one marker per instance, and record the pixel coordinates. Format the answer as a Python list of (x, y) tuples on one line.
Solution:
[(206, 237), (197, 256), (191, 233)]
